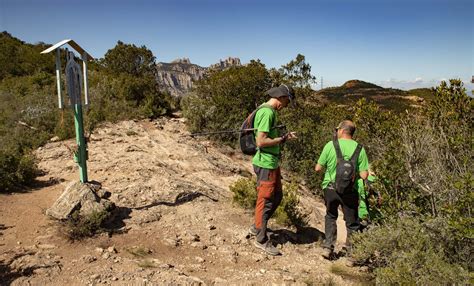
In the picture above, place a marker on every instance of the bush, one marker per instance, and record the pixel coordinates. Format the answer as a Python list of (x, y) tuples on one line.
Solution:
[(245, 193), (287, 213), (225, 98), (79, 227), (16, 170), (408, 251)]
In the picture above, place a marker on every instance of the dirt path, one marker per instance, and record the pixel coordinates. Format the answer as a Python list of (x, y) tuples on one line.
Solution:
[(179, 223)]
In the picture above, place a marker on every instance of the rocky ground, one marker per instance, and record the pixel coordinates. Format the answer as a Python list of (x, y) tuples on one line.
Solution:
[(177, 223)]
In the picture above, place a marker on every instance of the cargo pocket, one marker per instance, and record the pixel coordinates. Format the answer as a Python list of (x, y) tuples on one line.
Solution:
[(266, 189)]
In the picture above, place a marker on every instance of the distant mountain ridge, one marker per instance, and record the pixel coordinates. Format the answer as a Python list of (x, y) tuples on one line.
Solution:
[(353, 90), (178, 77)]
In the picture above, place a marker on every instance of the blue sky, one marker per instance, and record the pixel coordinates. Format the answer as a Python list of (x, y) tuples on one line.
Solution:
[(401, 44)]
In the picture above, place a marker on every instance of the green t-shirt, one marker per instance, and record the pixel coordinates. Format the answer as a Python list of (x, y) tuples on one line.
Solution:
[(264, 117), (328, 159), (363, 209)]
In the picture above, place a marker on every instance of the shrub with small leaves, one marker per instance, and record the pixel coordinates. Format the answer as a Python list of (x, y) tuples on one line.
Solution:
[(287, 213), (79, 227)]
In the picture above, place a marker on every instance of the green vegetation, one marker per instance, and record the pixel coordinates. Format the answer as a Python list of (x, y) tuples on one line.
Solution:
[(287, 213), (421, 156), (421, 151), (79, 227), (121, 86)]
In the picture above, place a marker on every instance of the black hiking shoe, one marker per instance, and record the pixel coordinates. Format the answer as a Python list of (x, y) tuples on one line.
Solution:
[(268, 248), (327, 253)]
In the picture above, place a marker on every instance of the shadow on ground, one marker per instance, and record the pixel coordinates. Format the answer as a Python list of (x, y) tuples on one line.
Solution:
[(303, 235), (180, 199)]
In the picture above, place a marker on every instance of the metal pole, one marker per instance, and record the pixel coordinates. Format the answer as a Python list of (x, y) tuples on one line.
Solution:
[(84, 70), (58, 78)]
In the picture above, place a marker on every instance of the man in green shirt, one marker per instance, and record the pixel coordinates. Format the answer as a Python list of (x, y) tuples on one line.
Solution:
[(266, 163), (348, 200)]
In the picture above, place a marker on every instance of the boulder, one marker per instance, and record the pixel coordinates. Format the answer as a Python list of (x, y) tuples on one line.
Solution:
[(78, 196)]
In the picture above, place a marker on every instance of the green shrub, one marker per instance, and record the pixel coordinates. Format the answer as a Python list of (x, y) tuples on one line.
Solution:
[(408, 251), (225, 98), (79, 227), (245, 193), (287, 213), (15, 170)]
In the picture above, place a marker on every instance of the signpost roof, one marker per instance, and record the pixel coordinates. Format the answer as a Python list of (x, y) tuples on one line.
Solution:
[(70, 42)]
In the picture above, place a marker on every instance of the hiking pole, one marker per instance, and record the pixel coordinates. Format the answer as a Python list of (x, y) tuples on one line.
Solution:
[(228, 131)]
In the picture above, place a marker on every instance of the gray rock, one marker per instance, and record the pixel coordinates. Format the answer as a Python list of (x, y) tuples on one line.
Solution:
[(78, 196)]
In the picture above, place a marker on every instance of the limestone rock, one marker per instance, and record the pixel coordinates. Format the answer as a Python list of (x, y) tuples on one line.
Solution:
[(78, 196)]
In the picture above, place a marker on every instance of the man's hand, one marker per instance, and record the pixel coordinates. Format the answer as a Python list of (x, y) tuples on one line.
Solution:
[(288, 136), (291, 135), (318, 168)]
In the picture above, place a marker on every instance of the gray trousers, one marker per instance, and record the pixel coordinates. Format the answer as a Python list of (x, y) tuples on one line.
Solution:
[(350, 206)]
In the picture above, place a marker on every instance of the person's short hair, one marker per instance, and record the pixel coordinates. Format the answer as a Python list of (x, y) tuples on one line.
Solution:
[(347, 126)]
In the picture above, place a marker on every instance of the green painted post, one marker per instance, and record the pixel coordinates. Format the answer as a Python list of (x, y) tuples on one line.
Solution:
[(81, 155), (74, 84)]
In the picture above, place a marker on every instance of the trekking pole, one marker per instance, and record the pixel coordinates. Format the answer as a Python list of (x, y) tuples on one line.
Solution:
[(228, 131)]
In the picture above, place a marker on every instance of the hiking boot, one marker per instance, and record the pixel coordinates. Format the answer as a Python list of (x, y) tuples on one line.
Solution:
[(267, 247), (327, 253), (253, 230)]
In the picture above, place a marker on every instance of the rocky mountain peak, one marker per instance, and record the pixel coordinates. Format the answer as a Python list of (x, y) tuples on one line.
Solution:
[(178, 76), (229, 62)]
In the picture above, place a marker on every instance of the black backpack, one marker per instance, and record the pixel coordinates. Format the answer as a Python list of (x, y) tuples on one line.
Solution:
[(345, 170), (248, 145)]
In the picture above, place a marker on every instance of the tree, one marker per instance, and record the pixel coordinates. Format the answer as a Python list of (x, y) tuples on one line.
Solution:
[(224, 98), (298, 73), (129, 59)]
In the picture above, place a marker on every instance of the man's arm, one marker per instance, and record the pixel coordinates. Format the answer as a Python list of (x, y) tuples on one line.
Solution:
[(363, 175), (264, 141)]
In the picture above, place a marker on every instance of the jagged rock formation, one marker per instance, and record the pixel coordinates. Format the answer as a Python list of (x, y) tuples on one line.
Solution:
[(229, 62), (178, 76)]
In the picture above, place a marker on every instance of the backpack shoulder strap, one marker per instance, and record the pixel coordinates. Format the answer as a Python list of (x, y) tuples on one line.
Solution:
[(356, 153), (335, 142)]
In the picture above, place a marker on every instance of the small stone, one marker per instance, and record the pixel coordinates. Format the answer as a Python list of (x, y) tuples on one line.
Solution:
[(46, 246), (199, 259), (112, 249), (89, 258), (106, 255), (166, 266), (288, 278), (54, 139), (18, 242), (211, 227), (219, 280), (262, 271), (94, 276), (99, 250), (114, 278)]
